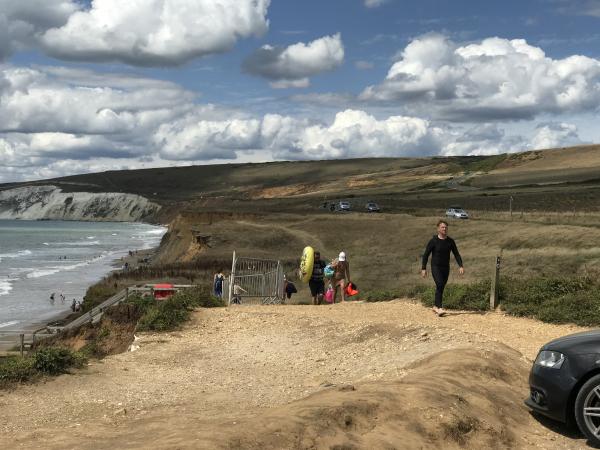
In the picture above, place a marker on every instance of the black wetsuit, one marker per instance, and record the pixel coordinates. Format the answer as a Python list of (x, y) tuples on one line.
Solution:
[(316, 282), (440, 263)]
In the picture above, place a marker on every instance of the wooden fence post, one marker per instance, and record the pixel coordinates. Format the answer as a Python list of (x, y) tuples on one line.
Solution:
[(494, 289), (22, 336)]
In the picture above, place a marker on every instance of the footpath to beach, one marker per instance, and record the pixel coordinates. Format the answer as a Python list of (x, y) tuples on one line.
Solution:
[(353, 375)]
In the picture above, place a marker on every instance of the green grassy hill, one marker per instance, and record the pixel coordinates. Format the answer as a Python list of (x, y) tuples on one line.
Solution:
[(550, 180)]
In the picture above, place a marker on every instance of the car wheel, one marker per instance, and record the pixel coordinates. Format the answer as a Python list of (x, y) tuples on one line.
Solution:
[(587, 409)]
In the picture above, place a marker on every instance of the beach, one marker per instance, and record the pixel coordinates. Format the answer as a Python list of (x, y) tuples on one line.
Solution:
[(38, 259)]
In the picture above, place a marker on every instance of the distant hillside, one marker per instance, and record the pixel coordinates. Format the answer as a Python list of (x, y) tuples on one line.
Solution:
[(540, 179)]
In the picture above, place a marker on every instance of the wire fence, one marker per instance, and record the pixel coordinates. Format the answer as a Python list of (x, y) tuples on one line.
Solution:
[(255, 281)]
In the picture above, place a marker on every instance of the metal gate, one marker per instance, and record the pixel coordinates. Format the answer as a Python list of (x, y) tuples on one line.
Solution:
[(255, 281)]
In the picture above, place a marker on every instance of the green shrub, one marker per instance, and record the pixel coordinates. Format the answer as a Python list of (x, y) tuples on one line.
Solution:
[(470, 297), (143, 303), (46, 361), (14, 369), (166, 315), (554, 300), (55, 360), (96, 294)]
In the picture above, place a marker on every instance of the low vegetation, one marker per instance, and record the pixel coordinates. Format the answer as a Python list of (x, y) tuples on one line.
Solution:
[(98, 293), (549, 299), (169, 314), (45, 361)]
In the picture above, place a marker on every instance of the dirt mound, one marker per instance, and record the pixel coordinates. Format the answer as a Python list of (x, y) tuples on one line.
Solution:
[(455, 399), (353, 375)]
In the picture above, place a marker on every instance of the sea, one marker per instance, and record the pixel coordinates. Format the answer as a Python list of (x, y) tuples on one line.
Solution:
[(38, 258)]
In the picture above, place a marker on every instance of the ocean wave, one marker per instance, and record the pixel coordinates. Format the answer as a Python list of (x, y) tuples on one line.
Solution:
[(76, 244), (8, 324), (159, 231), (51, 270), (6, 286), (38, 273), (18, 254)]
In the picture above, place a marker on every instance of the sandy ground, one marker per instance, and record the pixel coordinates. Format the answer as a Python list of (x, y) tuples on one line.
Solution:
[(354, 375)]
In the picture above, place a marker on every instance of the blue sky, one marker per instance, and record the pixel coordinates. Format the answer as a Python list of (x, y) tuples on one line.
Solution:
[(90, 86)]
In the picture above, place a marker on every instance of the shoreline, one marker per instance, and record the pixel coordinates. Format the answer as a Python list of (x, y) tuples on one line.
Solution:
[(9, 338)]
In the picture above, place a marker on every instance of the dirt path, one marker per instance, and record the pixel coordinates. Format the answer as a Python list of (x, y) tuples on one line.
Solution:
[(295, 231), (232, 365)]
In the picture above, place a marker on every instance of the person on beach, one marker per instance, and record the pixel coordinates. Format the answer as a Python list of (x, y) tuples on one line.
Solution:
[(62, 298), (317, 282), (341, 275), (218, 281), (439, 247), (73, 305)]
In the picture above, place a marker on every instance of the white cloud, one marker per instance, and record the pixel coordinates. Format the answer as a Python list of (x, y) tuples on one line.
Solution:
[(493, 79), (554, 135), (83, 102), (355, 133), (483, 139), (196, 138), (23, 22), (155, 32), (352, 133), (291, 66), (57, 121)]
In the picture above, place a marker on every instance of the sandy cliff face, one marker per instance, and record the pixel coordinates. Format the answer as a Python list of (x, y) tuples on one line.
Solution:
[(49, 202)]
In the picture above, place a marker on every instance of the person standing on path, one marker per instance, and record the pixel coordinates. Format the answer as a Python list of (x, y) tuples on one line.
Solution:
[(439, 247), (316, 282), (341, 275), (218, 281)]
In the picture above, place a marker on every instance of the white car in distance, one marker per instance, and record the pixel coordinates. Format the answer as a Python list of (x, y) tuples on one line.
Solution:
[(456, 212)]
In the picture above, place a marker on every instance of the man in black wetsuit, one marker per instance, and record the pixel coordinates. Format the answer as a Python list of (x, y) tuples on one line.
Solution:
[(440, 247)]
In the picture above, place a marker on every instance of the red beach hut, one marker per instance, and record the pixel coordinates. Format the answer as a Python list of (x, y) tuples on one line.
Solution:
[(163, 291)]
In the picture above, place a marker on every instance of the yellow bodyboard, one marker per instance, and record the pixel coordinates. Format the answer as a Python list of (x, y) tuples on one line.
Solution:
[(306, 264)]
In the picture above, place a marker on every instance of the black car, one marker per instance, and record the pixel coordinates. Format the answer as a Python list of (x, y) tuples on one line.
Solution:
[(372, 207), (565, 382)]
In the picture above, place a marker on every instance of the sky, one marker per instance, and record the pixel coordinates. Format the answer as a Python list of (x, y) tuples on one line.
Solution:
[(88, 86)]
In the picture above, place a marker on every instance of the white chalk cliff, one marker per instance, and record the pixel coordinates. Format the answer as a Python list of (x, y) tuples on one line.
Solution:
[(49, 202)]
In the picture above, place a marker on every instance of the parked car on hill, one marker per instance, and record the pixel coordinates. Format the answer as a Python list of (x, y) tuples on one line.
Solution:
[(565, 382), (372, 207), (456, 212), (343, 206)]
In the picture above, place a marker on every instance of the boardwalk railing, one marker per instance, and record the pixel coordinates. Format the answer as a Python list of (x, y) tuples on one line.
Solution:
[(26, 338), (95, 313), (91, 316)]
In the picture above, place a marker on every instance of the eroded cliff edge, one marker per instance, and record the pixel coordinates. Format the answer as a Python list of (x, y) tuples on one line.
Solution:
[(50, 203)]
